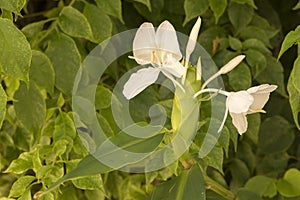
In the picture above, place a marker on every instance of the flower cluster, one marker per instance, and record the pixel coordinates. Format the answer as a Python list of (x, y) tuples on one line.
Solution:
[(160, 49)]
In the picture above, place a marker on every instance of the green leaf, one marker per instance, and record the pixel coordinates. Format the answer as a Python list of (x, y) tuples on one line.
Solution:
[(111, 7), (235, 43), (273, 74), (102, 97), (15, 51), (245, 194), (293, 37), (194, 8), (249, 2), (74, 23), (289, 186), (253, 127), (255, 44), (30, 107), (239, 172), (240, 77), (145, 2), (218, 7), (65, 59), (3, 99), (215, 158), (276, 135), (294, 93), (89, 183), (297, 6), (262, 185), (253, 32), (189, 185), (34, 31), (41, 71), (20, 186), (240, 15), (21, 164), (64, 128), (256, 60), (13, 5), (100, 23), (26, 196)]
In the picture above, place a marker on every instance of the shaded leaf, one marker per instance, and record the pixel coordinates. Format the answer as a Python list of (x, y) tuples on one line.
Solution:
[(111, 7), (240, 77), (249, 2), (276, 135), (100, 23), (194, 8), (256, 60), (218, 7), (240, 15), (189, 185), (30, 107), (273, 74)]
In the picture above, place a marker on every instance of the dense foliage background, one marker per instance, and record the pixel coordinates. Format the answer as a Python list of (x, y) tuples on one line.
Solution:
[(42, 45)]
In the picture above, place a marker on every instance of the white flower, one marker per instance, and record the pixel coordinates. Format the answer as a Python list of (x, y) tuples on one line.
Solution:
[(241, 103), (161, 50)]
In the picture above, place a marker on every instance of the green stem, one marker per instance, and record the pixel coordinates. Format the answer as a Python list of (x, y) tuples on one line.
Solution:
[(217, 188)]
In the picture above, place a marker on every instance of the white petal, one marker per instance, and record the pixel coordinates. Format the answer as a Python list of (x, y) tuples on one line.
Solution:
[(166, 40), (144, 44), (264, 88), (139, 81), (240, 122), (239, 102), (173, 67), (261, 95)]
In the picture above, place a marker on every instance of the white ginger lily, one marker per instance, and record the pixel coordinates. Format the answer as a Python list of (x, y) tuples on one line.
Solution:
[(161, 50), (241, 103)]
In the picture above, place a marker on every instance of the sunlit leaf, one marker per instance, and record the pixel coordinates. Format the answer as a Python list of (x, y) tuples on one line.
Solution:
[(289, 186), (290, 39), (74, 23), (20, 186), (41, 71), (13, 5), (65, 59), (15, 51), (294, 91)]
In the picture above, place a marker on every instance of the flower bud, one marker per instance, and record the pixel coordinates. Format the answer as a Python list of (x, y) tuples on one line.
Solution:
[(231, 64)]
